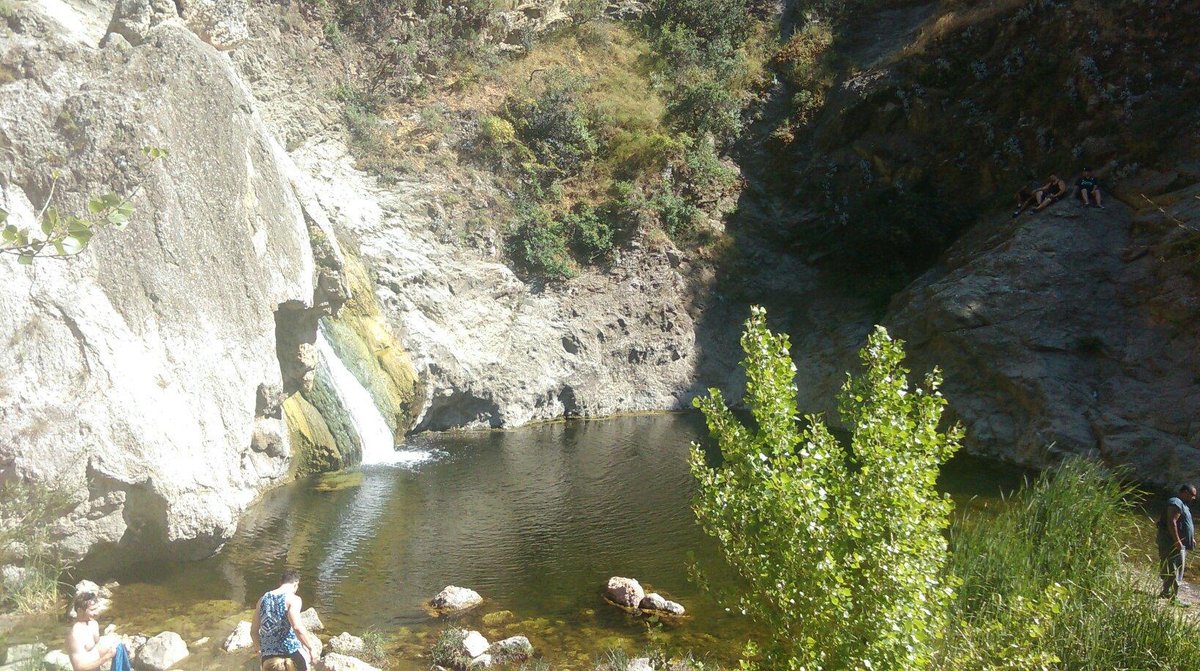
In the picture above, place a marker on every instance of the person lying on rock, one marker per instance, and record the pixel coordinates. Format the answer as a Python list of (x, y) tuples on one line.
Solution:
[(1026, 198), (1089, 187), (87, 649), (1054, 189), (277, 630)]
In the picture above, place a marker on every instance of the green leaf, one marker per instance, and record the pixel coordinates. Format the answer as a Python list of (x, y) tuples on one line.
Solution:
[(10, 233), (96, 205), (50, 220), (71, 245), (3, 215), (25, 259), (78, 225)]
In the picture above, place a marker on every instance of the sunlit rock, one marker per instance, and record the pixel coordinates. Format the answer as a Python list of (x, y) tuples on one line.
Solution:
[(625, 591)]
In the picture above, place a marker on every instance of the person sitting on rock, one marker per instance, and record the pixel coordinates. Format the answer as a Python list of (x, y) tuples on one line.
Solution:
[(277, 630), (87, 649), (1089, 187), (1026, 198), (1052, 190)]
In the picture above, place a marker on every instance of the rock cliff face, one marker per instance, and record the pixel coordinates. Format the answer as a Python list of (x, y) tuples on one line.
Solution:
[(143, 375), (1071, 332)]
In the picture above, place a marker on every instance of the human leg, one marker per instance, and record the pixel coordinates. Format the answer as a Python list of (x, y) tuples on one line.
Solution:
[(1171, 570), (1096, 195)]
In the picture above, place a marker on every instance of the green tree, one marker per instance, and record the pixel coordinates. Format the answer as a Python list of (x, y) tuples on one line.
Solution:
[(840, 550)]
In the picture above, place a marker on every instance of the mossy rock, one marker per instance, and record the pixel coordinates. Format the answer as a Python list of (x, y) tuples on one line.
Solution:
[(498, 618), (336, 482), (368, 347), (315, 450)]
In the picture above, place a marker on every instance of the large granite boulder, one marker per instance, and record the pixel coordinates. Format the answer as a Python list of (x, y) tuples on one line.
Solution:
[(1066, 333), (346, 643), (239, 638), (511, 650)]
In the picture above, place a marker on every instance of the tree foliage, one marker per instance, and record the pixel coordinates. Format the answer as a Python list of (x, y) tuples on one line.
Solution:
[(61, 235), (840, 547)]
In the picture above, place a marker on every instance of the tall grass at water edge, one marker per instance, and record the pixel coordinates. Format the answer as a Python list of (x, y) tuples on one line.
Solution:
[(1045, 584)]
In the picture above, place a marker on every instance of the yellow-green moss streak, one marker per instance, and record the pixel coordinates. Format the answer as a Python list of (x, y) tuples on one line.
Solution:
[(369, 349)]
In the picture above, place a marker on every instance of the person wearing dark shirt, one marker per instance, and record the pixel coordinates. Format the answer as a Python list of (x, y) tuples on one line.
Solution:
[(1054, 189), (1176, 535), (1089, 188)]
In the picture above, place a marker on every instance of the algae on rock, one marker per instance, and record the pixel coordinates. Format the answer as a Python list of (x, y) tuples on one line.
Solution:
[(372, 352)]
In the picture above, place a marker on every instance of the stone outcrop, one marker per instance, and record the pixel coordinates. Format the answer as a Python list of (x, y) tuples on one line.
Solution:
[(135, 371), (455, 599), (492, 351), (1070, 332)]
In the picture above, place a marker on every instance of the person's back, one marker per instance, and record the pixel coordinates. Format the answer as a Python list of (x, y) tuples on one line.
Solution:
[(277, 631)]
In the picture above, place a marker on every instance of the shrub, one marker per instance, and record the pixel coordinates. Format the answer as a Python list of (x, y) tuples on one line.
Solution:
[(591, 233), (554, 125), (448, 649), (709, 20), (676, 214), (537, 243), (27, 510), (707, 107), (840, 549)]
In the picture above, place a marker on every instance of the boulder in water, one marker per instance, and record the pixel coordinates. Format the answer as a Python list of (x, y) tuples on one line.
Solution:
[(240, 638), (625, 591), (655, 601), (474, 644), (640, 664), (311, 620), (162, 652), (455, 599), (511, 649)]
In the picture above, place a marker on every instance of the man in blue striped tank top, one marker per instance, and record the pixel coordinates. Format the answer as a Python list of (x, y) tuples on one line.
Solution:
[(277, 631)]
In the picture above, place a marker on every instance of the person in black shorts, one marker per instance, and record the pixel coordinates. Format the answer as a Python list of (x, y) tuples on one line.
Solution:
[(1054, 189), (1089, 187), (1026, 198)]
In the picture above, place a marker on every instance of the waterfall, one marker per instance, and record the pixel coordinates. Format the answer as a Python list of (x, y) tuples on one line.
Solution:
[(378, 445)]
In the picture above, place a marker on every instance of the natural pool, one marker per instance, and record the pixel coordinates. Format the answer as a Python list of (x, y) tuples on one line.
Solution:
[(535, 520)]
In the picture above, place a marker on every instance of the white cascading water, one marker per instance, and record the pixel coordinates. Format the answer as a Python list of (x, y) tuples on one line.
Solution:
[(378, 447)]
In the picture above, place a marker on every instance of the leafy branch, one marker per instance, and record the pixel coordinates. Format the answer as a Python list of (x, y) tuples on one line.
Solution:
[(63, 235)]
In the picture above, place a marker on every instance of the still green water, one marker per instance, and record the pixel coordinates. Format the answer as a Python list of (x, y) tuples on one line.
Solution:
[(536, 520)]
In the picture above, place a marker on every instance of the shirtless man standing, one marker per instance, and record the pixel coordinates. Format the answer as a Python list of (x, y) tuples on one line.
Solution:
[(86, 647)]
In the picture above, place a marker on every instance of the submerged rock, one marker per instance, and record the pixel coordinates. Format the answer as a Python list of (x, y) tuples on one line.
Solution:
[(239, 638), (455, 599), (625, 591), (640, 664), (162, 652)]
